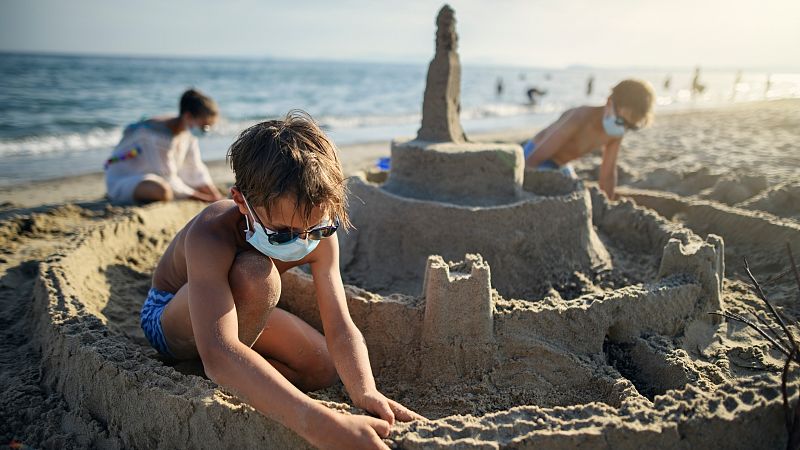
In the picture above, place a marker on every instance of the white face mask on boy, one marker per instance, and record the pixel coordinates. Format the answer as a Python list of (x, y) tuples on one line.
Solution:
[(294, 250)]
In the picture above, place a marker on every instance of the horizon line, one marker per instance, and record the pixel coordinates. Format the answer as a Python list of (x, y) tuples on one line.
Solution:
[(365, 60)]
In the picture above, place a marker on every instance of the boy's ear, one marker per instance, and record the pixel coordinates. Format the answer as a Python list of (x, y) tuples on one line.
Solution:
[(238, 198)]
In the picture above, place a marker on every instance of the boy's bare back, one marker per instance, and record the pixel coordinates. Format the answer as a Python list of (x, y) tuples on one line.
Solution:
[(582, 133), (587, 128)]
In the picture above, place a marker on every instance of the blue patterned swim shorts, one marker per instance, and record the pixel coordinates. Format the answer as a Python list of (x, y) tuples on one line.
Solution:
[(151, 319), (528, 149)]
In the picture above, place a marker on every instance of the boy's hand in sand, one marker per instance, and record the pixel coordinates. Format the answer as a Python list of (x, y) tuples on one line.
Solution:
[(352, 432), (388, 410)]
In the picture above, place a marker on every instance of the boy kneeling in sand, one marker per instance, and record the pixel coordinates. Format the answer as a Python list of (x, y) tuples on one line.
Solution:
[(580, 130), (216, 288)]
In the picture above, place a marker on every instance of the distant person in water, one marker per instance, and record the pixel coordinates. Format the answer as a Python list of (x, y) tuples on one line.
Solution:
[(499, 86), (697, 86), (590, 86), (768, 86), (580, 130), (533, 93), (667, 82), (158, 159)]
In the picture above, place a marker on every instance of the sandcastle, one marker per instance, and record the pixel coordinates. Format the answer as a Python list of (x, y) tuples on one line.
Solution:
[(515, 309), (447, 196)]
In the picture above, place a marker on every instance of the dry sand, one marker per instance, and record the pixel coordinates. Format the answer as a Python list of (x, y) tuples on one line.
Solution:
[(612, 351)]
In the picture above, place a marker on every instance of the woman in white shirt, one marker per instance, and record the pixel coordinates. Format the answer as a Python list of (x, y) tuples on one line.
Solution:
[(158, 159)]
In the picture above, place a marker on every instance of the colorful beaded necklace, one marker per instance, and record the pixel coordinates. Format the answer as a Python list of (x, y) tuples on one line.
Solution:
[(130, 154)]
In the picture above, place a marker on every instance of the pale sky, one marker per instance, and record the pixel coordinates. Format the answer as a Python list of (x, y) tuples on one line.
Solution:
[(544, 33)]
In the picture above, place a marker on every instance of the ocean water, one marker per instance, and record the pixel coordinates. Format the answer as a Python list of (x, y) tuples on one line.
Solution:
[(62, 115)]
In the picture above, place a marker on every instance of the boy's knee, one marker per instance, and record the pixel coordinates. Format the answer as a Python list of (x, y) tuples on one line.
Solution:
[(256, 287), (254, 279)]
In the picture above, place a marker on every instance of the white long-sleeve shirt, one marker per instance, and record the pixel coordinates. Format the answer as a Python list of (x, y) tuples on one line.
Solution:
[(176, 158)]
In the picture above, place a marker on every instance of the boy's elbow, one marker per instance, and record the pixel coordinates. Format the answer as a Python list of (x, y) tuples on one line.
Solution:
[(215, 360)]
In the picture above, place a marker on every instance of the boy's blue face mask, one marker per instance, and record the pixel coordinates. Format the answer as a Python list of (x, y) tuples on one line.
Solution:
[(613, 126), (294, 250)]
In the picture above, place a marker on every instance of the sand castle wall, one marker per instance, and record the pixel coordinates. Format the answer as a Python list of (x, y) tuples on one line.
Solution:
[(738, 225), (464, 174), (527, 243)]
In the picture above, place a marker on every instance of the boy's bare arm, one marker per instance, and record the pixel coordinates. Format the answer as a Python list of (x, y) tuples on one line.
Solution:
[(564, 128), (230, 363), (608, 168), (345, 342)]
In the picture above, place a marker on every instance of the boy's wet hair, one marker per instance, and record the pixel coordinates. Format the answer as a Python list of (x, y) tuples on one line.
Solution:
[(198, 104), (292, 157), (636, 95)]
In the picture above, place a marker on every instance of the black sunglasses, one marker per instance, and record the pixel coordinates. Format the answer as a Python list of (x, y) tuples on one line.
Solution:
[(622, 122), (286, 237)]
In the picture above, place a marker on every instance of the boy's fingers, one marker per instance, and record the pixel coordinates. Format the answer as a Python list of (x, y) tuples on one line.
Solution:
[(384, 411), (404, 414), (380, 426)]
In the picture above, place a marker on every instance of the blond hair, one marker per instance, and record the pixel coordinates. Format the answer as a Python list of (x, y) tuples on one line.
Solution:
[(292, 156), (637, 96)]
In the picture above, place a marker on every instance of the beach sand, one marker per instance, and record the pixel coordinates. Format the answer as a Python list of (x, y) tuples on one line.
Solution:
[(628, 362)]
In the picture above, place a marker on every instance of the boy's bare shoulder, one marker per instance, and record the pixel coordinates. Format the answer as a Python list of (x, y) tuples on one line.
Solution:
[(579, 112), (217, 223)]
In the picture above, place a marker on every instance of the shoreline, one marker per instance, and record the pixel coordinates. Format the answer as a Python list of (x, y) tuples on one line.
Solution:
[(356, 157), (90, 187)]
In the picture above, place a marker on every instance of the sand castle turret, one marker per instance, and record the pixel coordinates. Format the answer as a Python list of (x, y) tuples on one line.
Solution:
[(459, 290), (441, 105), (460, 295), (703, 261), (440, 164)]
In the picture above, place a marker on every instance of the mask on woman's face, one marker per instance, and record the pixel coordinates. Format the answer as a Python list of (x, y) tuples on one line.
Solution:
[(197, 130), (290, 251), (612, 125)]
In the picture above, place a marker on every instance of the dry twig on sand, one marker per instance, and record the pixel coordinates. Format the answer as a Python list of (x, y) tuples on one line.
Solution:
[(785, 344)]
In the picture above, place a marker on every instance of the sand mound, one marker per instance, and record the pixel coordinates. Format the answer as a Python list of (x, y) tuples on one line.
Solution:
[(732, 189), (782, 200)]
